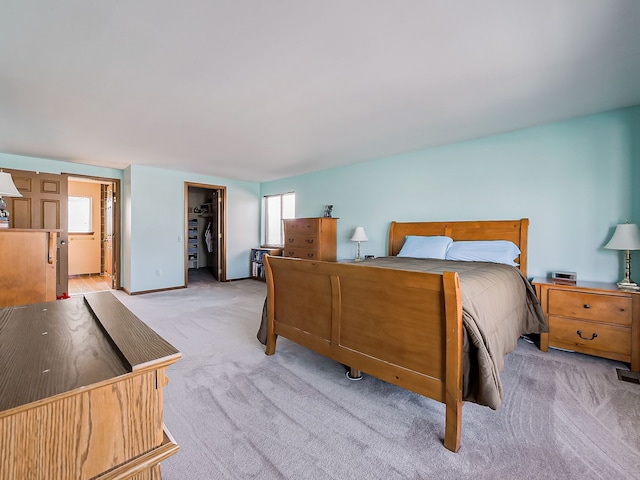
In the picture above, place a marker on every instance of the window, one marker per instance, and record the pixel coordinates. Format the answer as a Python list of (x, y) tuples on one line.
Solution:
[(276, 208), (80, 215)]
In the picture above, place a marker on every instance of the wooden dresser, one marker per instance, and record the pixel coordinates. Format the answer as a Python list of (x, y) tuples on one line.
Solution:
[(310, 238), (81, 392), (593, 318)]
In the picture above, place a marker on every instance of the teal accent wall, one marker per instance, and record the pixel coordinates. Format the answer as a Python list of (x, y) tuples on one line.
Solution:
[(574, 180), (632, 121)]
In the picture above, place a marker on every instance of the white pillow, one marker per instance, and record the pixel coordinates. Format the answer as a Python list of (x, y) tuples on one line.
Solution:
[(496, 251), (425, 247)]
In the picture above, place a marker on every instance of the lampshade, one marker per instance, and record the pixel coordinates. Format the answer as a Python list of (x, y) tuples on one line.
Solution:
[(626, 237), (359, 235), (7, 187)]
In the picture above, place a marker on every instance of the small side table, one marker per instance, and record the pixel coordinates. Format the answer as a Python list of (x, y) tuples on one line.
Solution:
[(595, 318)]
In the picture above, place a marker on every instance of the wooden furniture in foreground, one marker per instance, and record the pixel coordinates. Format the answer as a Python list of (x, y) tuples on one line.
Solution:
[(326, 306), (591, 317), (81, 392), (310, 238), (27, 266)]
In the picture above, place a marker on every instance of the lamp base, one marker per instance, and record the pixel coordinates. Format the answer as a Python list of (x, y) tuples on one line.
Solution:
[(4, 213), (358, 257), (624, 285)]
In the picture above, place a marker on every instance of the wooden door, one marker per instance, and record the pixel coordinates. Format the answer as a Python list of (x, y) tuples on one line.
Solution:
[(43, 205), (108, 234), (215, 236), (220, 250)]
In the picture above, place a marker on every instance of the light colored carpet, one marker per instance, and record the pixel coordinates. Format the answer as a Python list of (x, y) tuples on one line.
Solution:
[(238, 414)]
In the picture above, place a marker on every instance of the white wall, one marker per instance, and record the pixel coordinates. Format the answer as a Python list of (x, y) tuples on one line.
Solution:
[(156, 217)]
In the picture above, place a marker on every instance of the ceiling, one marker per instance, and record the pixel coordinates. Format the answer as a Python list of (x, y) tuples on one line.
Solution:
[(263, 89)]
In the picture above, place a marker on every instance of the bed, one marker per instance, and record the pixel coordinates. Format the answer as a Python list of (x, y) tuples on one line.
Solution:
[(430, 326)]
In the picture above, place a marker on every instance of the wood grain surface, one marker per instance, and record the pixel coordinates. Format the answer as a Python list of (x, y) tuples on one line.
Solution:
[(81, 392), (138, 344), (51, 348)]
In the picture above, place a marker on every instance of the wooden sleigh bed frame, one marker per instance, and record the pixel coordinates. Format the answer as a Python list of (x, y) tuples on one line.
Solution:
[(401, 326)]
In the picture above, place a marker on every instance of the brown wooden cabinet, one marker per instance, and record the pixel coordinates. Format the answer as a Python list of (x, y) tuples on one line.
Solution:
[(310, 238), (591, 317), (28, 266), (81, 392)]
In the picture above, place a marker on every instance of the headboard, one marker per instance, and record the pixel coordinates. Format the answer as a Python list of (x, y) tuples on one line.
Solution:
[(513, 230)]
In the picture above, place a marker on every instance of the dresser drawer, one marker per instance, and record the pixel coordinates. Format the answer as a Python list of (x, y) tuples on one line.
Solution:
[(298, 240), (594, 336), (301, 225), (306, 253), (590, 306)]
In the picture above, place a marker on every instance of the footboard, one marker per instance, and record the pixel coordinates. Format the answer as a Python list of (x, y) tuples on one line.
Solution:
[(400, 326)]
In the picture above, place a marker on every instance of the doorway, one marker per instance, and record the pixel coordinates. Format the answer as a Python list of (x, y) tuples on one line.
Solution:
[(204, 233), (93, 242), (44, 205)]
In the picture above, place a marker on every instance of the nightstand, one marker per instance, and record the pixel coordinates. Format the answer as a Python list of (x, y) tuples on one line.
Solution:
[(591, 317)]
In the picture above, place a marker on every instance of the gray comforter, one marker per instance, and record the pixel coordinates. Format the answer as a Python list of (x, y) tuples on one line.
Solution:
[(499, 305)]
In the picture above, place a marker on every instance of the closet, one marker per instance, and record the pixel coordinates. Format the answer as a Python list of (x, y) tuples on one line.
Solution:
[(203, 235)]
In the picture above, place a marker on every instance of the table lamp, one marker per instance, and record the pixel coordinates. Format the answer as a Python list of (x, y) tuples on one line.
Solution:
[(359, 236), (7, 189), (626, 237)]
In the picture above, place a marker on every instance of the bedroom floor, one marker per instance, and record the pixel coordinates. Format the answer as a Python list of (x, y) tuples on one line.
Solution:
[(239, 414)]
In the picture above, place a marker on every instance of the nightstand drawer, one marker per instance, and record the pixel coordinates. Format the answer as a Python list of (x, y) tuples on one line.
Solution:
[(305, 253), (594, 336), (590, 306)]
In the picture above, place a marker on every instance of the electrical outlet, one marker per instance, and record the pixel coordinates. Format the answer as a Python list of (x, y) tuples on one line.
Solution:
[(158, 272), (179, 238)]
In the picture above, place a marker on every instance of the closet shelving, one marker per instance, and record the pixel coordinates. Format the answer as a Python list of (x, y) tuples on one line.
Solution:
[(199, 218), (192, 242)]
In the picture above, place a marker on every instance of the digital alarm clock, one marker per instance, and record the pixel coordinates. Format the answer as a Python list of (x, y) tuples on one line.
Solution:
[(567, 277)]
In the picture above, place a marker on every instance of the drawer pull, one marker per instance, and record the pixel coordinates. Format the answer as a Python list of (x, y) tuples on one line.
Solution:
[(310, 240), (586, 305), (593, 335), (310, 255)]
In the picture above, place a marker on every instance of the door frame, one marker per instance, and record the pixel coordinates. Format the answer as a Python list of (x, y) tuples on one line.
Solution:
[(116, 215), (222, 202)]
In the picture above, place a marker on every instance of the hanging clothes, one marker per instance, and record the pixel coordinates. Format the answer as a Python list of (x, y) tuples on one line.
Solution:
[(208, 238)]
